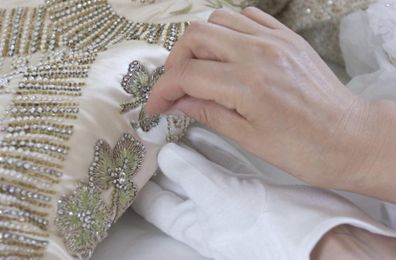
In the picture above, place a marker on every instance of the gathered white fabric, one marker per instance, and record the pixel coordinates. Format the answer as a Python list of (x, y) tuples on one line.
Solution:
[(219, 206), (368, 42)]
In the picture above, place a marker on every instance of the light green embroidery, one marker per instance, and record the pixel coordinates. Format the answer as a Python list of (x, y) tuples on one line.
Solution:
[(138, 82), (115, 170), (83, 219), (85, 214)]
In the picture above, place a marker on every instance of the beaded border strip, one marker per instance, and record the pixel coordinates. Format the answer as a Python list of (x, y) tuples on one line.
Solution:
[(93, 25), (78, 24), (25, 31), (33, 148)]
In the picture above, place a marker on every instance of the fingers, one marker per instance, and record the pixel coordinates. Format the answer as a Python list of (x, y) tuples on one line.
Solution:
[(262, 18), (176, 217), (205, 41), (225, 121), (169, 185), (207, 80), (237, 22), (198, 177), (165, 209)]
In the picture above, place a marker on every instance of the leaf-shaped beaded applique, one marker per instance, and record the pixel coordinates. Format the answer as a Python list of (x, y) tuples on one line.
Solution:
[(83, 219), (84, 215), (115, 169), (138, 82)]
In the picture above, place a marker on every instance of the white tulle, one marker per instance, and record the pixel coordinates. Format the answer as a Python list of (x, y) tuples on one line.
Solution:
[(368, 42)]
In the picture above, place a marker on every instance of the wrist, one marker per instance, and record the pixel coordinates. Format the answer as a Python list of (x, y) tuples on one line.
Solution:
[(372, 162)]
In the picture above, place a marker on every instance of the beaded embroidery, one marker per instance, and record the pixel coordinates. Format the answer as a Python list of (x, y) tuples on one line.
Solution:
[(26, 31), (115, 170), (93, 24), (83, 220), (32, 148), (177, 127), (78, 24), (138, 82), (39, 121), (84, 215)]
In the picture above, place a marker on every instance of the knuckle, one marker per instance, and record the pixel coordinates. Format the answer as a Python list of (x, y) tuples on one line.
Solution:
[(183, 70), (194, 32), (287, 37), (249, 10), (195, 27), (168, 64), (172, 58), (258, 45), (217, 15), (275, 53), (205, 116), (272, 51)]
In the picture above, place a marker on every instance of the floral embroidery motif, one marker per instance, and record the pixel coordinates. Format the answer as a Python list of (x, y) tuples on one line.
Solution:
[(116, 170), (83, 219), (138, 82), (84, 215)]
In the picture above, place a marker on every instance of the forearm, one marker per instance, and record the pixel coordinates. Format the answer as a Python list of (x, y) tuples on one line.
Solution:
[(347, 242)]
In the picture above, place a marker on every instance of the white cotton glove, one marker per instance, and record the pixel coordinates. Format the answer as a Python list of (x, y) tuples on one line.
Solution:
[(226, 214)]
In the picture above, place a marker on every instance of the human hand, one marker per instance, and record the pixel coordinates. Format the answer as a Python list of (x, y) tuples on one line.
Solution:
[(252, 79), (348, 242), (234, 214)]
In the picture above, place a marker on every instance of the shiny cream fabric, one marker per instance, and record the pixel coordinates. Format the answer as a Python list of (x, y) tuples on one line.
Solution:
[(99, 106), (100, 118)]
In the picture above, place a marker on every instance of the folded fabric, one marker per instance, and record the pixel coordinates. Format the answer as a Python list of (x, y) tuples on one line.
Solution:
[(225, 211)]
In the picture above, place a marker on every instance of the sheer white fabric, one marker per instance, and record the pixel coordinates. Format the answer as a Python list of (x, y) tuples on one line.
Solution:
[(368, 42)]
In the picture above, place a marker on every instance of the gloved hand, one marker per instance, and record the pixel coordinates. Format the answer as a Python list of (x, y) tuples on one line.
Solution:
[(219, 205)]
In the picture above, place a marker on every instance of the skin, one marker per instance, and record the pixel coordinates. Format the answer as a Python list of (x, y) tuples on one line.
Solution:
[(252, 79), (347, 243)]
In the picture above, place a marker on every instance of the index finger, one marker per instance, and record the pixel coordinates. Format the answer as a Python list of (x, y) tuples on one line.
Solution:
[(206, 41), (196, 78)]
